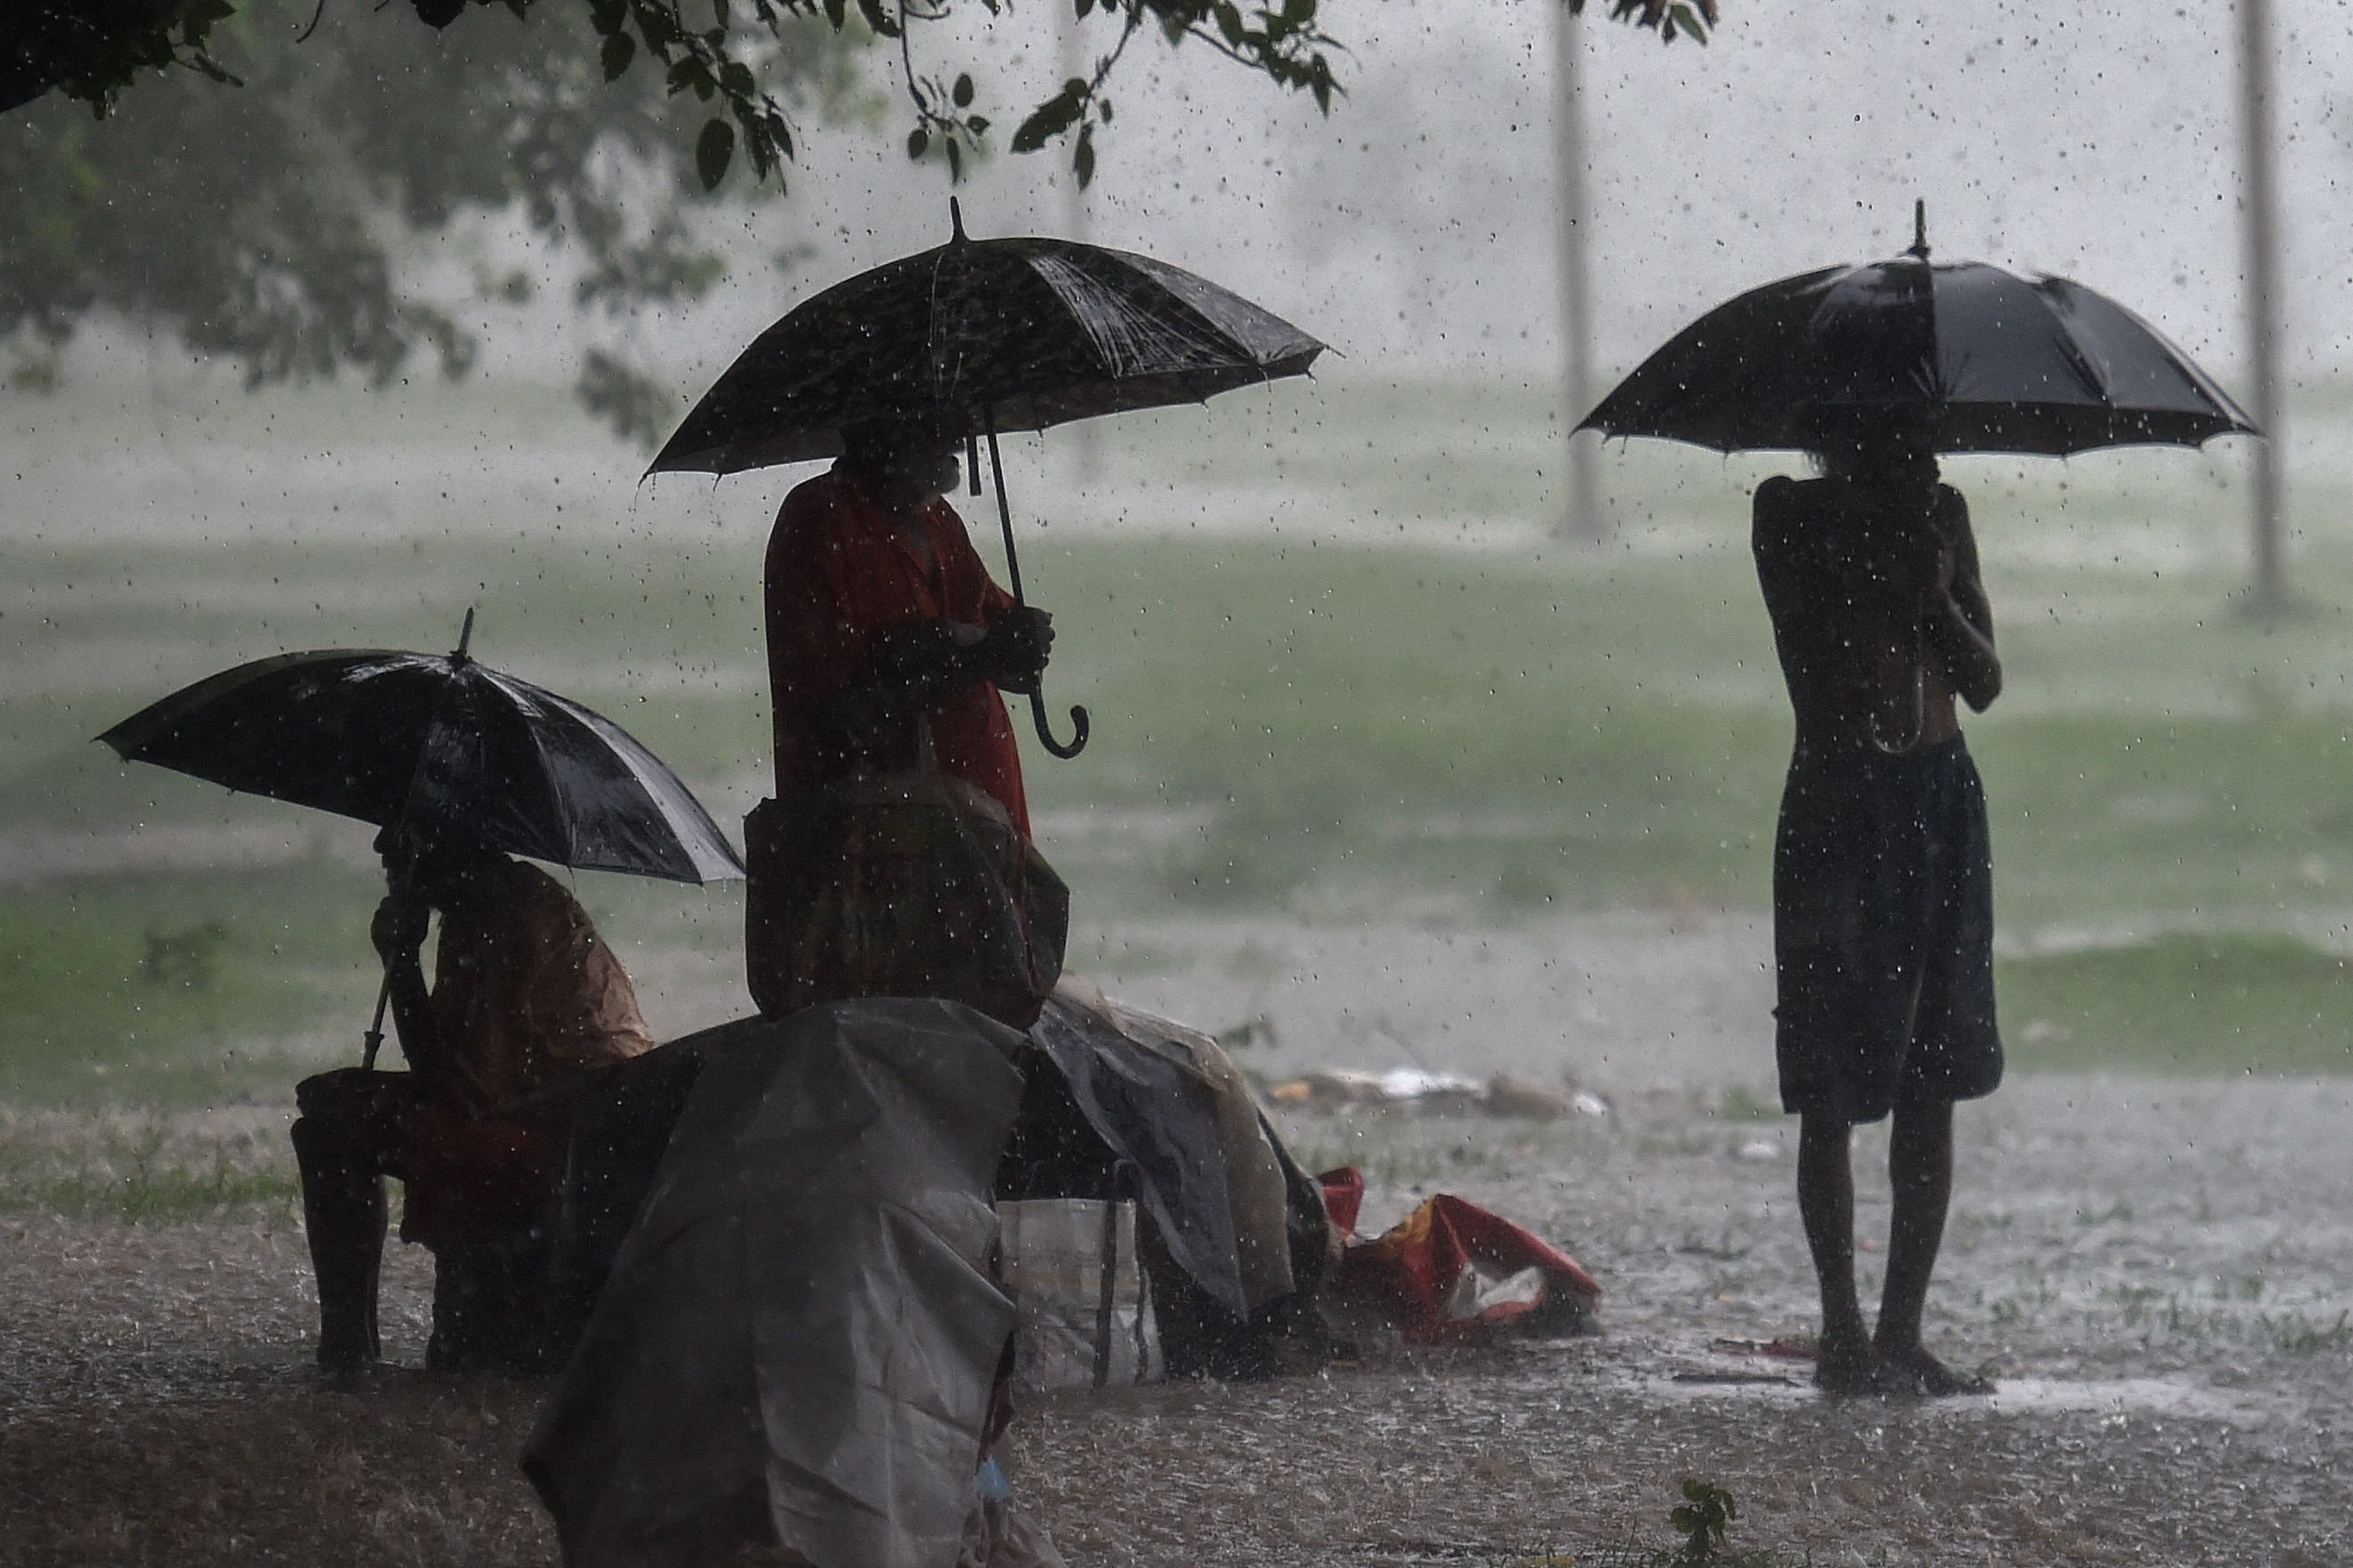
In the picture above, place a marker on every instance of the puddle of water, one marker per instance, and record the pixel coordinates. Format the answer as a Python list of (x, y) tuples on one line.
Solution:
[(2126, 1396)]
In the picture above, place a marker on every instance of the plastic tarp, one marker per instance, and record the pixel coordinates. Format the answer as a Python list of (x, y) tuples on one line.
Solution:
[(796, 1349), (1166, 1100)]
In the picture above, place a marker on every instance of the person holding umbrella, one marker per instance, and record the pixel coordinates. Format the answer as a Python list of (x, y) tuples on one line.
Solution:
[(460, 766), (527, 1000), (881, 618), (1882, 897), (895, 859), (1883, 915)]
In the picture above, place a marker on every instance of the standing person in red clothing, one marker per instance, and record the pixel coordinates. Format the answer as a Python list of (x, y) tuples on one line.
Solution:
[(888, 645), (880, 614)]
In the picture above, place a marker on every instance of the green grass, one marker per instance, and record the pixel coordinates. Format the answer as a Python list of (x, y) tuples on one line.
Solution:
[(88, 1018), (1472, 716), (2206, 1005), (143, 1168)]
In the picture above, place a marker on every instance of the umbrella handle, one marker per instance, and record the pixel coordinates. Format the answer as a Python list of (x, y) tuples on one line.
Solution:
[(1079, 721), (1078, 727), (374, 1038)]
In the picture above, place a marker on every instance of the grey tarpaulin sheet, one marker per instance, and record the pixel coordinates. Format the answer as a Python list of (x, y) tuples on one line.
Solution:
[(1163, 1098), (797, 1345)]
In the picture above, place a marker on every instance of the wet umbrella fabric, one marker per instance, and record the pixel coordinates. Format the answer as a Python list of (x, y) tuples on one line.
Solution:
[(1992, 361), (436, 741), (987, 335), (981, 336)]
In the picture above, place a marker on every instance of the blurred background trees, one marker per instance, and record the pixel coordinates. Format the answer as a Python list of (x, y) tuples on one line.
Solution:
[(357, 186)]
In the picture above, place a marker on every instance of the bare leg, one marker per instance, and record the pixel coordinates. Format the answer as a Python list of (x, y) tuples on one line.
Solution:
[(1826, 1204), (1920, 1172)]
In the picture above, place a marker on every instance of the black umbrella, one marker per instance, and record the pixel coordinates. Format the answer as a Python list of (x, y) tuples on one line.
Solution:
[(983, 336), (434, 744), (1992, 361)]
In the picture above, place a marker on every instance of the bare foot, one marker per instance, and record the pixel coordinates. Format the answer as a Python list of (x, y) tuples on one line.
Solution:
[(1845, 1366), (1912, 1372)]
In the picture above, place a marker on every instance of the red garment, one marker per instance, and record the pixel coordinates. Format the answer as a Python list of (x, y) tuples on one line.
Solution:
[(840, 571)]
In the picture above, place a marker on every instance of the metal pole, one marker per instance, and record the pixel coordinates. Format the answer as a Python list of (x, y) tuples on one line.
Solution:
[(1582, 518), (2259, 232)]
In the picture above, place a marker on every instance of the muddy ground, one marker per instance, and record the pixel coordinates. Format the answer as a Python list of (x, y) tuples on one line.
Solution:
[(2156, 1270)]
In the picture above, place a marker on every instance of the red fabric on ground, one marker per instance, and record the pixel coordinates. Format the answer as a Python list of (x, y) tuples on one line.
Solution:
[(1417, 1263), (1344, 1197), (839, 571)]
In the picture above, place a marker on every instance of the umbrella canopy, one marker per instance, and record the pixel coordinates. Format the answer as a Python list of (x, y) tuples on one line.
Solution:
[(987, 336), (1987, 359), (436, 743)]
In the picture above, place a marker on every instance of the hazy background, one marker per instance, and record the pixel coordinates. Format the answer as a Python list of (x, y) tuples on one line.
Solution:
[(1380, 760)]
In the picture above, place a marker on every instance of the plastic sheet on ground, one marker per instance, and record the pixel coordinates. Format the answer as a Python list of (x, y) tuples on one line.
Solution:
[(797, 1346)]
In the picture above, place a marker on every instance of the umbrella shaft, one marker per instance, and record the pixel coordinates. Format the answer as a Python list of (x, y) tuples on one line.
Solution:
[(374, 1039), (1004, 509)]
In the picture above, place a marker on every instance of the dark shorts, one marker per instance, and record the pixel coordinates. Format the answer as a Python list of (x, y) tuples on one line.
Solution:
[(1883, 933)]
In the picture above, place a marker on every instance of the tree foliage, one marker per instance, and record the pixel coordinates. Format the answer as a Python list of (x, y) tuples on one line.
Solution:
[(259, 175), (339, 209)]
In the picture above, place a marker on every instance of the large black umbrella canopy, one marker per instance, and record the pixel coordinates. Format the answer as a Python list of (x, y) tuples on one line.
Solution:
[(437, 743), (1987, 360), (978, 336), (983, 335)]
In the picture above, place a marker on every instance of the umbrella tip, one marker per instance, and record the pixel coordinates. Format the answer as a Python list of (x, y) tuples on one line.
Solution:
[(956, 217), (1919, 228), (465, 637)]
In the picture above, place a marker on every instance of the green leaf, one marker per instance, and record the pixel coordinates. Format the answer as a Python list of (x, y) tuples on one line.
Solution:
[(919, 142), (1229, 20), (955, 160), (1084, 159), (977, 124), (619, 51), (712, 151), (963, 93), (837, 12), (1048, 121)]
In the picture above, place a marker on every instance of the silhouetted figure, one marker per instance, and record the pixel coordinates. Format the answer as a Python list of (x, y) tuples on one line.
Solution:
[(526, 1000), (888, 645), (1882, 911)]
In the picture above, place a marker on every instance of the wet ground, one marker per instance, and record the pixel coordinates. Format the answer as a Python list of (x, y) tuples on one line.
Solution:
[(2155, 1271)]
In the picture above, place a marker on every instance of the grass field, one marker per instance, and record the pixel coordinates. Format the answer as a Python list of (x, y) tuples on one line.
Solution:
[(1339, 664)]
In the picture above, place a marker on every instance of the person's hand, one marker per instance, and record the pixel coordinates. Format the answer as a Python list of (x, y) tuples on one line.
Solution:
[(1015, 651), (398, 929)]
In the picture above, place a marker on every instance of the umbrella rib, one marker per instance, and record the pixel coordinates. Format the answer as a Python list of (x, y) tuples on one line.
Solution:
[(2094, 381)]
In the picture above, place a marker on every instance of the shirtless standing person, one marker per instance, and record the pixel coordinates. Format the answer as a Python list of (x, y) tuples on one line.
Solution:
[(1882, 908)]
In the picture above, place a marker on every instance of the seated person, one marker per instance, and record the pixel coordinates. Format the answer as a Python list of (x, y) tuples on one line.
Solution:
[(526, 1001)]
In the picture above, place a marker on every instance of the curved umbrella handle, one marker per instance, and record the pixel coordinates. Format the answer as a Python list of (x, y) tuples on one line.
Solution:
[(1078, 727)]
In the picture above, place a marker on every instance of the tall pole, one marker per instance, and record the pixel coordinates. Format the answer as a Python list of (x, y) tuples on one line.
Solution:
[(1582, 517), (2259, 234)]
